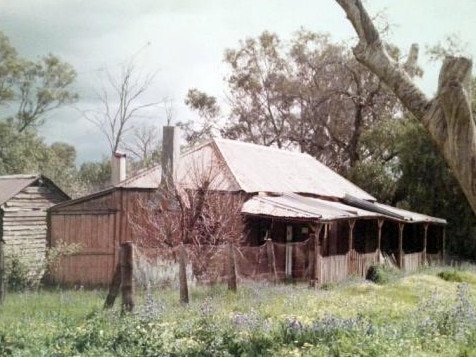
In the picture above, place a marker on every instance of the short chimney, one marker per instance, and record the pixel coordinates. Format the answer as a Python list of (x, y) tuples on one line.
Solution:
[(118, 168), (170, 154)]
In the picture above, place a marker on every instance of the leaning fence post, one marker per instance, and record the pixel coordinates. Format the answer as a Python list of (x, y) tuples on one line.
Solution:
[(127, 283), (114, 288)]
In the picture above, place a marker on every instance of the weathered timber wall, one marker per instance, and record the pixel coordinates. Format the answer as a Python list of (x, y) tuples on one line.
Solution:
[(24, 227)]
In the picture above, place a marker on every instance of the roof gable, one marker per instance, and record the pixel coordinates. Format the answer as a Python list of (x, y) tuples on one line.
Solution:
[(11, 185)]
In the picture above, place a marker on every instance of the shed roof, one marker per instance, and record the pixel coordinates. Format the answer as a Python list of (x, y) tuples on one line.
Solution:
[(10, 185)]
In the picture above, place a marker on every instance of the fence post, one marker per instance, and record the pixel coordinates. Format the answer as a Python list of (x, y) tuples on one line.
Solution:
[(231, 268), (400, 245), (127, 282), (271, 259), (2, 272), (316, 279), (379, 240), (113, 288), (425, 242)]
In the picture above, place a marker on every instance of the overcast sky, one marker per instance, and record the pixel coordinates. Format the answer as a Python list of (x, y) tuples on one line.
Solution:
[(184, 41)]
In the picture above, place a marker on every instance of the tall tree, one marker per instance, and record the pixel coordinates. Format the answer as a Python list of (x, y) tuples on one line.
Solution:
[(122, 104), (31, 89), (448, 117), (208, 110), (309, 94)]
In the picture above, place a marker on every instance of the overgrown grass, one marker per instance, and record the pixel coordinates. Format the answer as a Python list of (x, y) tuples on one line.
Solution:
[(416, 315)]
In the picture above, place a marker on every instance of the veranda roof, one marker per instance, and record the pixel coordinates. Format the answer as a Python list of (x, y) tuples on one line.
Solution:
[(293, 206)]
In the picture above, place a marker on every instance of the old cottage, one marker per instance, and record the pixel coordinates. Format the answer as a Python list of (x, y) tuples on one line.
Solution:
[(304, 208), (24, 200)]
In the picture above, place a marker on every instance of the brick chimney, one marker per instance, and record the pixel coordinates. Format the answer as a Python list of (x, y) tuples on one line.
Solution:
[(170, 154), (118, 167)]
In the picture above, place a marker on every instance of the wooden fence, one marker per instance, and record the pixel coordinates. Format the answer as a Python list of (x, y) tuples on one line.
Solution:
[(271, 261), (412, 261), (333, 269)]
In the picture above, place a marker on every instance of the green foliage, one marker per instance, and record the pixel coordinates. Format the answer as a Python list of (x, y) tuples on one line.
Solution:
[(427, 185), (95, 175), (451, 275), (380, 274), (418, 315), (16, 273), (33, 88)]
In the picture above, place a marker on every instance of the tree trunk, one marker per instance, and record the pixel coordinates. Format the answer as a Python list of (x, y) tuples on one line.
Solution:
[(183, 275), (447, 117)]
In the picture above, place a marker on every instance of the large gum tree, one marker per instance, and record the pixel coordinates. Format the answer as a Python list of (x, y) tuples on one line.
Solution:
[(447, 117)]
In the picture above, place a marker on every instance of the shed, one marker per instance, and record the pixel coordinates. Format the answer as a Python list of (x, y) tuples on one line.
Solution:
[(24, 200)]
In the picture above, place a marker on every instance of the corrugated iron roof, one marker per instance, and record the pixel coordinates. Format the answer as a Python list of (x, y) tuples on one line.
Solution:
[(411, 216), (255, 168), (239, 166), (293, 206), (392, 212), (12, 184)]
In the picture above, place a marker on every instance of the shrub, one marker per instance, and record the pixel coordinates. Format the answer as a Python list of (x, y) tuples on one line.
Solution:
[(16, 274), (379, 274), (451, 275)]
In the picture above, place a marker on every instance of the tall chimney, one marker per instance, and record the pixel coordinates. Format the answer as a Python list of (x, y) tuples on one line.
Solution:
[(170, 154), (118, 168)]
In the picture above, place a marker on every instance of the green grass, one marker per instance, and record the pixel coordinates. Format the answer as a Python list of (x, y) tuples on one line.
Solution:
[(416, 315)]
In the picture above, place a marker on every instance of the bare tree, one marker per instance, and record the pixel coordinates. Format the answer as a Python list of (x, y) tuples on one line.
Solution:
[(448, 117), (121, 104), (189, 213), (144, 146)]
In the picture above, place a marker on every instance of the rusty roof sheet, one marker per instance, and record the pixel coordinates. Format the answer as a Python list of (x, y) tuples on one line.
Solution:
[(293, 206), (12, 184)]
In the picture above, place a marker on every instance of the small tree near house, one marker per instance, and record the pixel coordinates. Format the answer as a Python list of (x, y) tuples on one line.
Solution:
[(191, 214)]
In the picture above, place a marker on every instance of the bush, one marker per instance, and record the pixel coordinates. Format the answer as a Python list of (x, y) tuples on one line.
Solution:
[(379, 274), (16, 274), (451, 275)]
